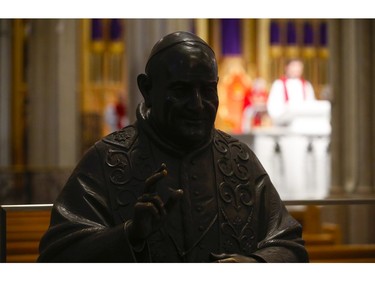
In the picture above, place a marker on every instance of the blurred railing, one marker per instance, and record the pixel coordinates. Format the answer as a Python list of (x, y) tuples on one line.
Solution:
[(20, 185)]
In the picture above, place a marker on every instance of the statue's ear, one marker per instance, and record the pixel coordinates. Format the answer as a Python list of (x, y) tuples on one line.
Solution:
[(144, 85)]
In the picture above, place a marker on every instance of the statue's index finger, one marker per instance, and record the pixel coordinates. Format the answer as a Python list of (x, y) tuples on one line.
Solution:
[(155, 177)]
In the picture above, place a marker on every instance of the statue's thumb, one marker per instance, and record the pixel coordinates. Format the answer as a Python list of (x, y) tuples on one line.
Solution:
[(175, 196)]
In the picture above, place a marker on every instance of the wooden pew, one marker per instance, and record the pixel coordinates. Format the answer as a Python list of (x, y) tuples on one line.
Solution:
[(25, 225), (323, 240), (316, 232), (343, 253), (22, 227)]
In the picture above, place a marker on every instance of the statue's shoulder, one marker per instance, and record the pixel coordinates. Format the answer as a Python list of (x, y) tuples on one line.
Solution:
[(124, 138), (225, 137)]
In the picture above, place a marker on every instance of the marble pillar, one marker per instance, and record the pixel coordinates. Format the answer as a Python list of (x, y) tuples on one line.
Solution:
[(5, 92), (53, 102), (352, 70), (53, 105)]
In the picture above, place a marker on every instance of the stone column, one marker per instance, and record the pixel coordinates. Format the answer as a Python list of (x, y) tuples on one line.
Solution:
[(52, 104), (5, 92), (352, 73), (352, 70)]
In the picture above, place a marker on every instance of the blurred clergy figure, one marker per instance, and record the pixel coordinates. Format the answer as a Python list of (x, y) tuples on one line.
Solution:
[(288, 92)]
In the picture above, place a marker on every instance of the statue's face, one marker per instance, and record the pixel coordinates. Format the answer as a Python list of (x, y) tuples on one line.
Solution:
[(184, 94)]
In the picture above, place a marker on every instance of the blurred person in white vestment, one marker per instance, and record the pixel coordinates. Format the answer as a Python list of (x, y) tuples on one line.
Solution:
[(288, 93)]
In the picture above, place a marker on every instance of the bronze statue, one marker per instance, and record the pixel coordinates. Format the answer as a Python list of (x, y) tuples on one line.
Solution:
[(170, 187)]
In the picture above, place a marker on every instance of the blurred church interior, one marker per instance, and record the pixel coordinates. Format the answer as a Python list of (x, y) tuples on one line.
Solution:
[(65, 83)]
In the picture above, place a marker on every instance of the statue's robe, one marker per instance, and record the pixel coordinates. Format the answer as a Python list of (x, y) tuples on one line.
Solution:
[(229, 204)]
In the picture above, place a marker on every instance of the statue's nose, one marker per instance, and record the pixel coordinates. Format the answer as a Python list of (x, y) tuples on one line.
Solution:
[(195, 102)]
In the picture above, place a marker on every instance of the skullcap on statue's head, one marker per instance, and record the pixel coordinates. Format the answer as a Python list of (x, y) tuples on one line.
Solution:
[(173, 39)]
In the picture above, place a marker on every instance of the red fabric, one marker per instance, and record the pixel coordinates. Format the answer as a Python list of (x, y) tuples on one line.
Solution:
[(120, 112), (286, 96)]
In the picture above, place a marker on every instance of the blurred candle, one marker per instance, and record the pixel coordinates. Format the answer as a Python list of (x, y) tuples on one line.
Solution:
[(323, 34), (309, 52), (291, 40), (116, 48), (308, 34), (323, 54), (274, 33), (115, 30), (96, 30), (230, 37), (276, 51), (97, 49), (291, 33)]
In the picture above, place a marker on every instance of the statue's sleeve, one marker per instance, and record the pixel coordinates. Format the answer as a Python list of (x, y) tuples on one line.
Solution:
[(280, 234), (82, 228)]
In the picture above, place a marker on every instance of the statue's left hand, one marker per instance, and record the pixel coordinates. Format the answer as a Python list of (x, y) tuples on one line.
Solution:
[(223, 257), (150, 211)]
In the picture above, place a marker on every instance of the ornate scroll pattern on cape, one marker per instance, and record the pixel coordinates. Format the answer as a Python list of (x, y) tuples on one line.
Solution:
[(120, 167), (119, 162), (123, 138), (235, 195)]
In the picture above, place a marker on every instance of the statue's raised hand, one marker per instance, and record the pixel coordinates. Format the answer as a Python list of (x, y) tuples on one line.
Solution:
[(150, 211)]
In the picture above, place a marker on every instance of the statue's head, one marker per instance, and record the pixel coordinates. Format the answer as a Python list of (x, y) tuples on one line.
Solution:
[(180, 88)]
